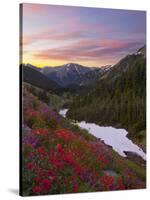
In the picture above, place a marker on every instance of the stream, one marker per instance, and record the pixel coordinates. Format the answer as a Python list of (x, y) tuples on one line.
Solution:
[(115, 137)]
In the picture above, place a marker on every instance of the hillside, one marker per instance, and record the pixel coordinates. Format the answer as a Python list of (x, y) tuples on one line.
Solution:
[(52, 99), (36, 78), (59, 157), (119, 98), (68, 74), (73, 75)]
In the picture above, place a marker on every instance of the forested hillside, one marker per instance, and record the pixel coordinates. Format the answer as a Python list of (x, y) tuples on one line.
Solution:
[(119, 99)]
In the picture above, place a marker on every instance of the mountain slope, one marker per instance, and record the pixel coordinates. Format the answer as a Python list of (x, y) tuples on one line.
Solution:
[(119, 98), (142, 51), (124, 64), (73, 74), (36, 78), (59, 157)]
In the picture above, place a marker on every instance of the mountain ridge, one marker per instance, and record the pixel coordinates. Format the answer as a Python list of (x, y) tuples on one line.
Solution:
[(33, 76), (72, 74)]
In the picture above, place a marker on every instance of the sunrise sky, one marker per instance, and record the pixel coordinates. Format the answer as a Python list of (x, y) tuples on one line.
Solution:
[(55, 35)]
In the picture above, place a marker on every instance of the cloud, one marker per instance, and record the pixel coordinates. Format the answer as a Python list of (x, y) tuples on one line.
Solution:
[(88, 50), (31, 9), (51, 34), (87, 34), (26, 40), (43, 35), (75, 23)]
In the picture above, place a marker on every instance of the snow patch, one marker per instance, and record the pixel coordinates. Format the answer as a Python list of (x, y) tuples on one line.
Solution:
[(63, 112), (77, 69), (116, 138), (68, 64)]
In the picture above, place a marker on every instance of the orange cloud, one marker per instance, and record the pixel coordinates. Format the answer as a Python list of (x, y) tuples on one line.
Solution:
[(26, 40)]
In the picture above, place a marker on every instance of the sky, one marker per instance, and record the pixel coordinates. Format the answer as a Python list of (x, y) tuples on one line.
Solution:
[(56, 35)]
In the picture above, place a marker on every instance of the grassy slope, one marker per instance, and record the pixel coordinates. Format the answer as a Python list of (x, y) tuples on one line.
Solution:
[(59, 157), (56, 101)]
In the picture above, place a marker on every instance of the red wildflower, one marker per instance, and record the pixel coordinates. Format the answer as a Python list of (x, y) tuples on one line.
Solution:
[(65, 181), (75, 188), (69, 158), (107, 181), (64, 134), (31, 113), (59, 147), (40, 150), (36, 180), (57, 163), (29, 165), (52, 159), (53, 178), (46, 184), (71, 178), (36, 189), (49, 173), (102, 160), (120, 184), (78, 170), (40, 131)]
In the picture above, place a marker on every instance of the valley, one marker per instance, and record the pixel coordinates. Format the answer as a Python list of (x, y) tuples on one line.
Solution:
[(84, 128)]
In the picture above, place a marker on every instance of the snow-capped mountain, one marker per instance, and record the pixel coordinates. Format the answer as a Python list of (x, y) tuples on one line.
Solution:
[(74, 74), (124, 64), (142, 51)]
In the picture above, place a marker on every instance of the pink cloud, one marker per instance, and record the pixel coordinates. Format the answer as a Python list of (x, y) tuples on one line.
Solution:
[(88, 50), (51, 34), (114, 43), (31, 9), (25, 41), (91, 44), (74, 23)]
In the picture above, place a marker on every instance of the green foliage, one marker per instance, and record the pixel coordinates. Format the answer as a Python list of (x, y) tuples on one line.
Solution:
[(118, 99), (59, 157), (140, 172), (85, 134), (43, 96), (50, 98)]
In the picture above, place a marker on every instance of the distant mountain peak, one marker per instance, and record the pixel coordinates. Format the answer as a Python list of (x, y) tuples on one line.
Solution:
[(73, 74), (142, 51), (70, 64)]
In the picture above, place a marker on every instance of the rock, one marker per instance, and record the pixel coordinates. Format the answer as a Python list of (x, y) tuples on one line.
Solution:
[(135, 157), (110, 172)]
